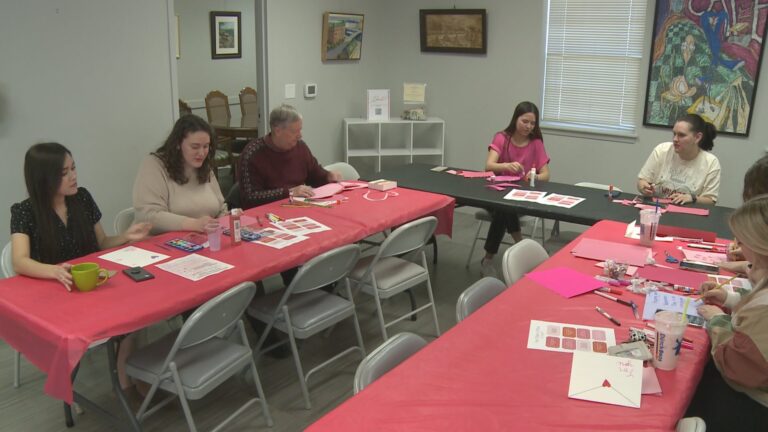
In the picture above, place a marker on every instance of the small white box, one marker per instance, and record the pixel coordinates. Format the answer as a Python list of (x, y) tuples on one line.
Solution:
[(382, 185)]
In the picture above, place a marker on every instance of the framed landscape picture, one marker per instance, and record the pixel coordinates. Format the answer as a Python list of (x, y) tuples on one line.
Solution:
[(705, 59), (453, 30), (225, 35), (342, 36)]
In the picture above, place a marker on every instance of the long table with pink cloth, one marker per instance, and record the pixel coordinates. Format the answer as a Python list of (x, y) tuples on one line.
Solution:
[(479, 376), (53, 328)]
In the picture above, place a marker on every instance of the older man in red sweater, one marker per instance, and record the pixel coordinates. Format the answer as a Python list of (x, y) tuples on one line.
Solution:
[(280, 164)]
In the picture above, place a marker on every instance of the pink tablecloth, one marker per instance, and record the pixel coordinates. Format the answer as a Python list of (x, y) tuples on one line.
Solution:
[(52, 328), (479, 376)]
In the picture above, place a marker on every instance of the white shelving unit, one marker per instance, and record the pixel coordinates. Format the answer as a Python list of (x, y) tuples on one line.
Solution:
[(373, 145)]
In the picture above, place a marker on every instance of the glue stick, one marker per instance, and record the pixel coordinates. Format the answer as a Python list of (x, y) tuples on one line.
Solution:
[(532, 177), (234, 227)]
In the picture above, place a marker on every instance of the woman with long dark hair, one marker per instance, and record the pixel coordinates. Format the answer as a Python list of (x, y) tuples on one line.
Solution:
[(59, 221), (514, 151)]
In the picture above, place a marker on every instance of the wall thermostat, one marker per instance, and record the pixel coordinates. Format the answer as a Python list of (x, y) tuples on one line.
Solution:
[(310, 90)]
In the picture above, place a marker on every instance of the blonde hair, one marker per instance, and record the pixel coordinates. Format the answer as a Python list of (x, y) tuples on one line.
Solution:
[(749, 223)]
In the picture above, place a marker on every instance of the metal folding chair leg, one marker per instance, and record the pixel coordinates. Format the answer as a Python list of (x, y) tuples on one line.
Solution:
[(472, 248), (17, 370)]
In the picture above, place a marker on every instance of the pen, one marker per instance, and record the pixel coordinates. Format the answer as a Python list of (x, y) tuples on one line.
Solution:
[(635, 312), (610, 297), (720, 285), (605, 314), (705, 247), (610, 290), (258, 219)]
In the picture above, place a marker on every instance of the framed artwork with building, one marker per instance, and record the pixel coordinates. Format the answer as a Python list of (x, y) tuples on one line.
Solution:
[(342, 36), (225, 35), (453, 30), (705, 59)]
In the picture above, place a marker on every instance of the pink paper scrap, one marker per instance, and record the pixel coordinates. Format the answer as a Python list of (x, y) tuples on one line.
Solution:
[(565, 281), (704, 256), (497, 187), (475, 174), (651, 384), (454, 172), (601, 250), (688, 210), (505, 178)]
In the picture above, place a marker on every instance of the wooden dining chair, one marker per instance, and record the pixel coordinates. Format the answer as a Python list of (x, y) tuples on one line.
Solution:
[(249, 102), (217, 110), (184, 108)]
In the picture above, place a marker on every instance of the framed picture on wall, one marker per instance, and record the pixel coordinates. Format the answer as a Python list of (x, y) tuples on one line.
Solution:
[(705, 60), (225, 35), (453, 30), (342, 36)]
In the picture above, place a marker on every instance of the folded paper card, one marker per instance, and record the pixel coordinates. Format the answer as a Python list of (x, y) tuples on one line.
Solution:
[(131, 256), (602, 250), (349, 185), (651, 384), (606, 379), (327, 190), (505, 178), (475, 174), (673, 276), (565, 281)]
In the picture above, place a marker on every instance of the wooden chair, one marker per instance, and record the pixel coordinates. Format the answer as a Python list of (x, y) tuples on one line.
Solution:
[(249, 103), (184, 108), (217, 110)]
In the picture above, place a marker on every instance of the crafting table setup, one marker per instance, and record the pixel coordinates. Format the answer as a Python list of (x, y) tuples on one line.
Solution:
[(526, 359), (53, 328)]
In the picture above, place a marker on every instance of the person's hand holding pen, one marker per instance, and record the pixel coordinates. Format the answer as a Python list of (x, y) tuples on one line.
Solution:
[(645, 187), (302, 191), (713, 293)]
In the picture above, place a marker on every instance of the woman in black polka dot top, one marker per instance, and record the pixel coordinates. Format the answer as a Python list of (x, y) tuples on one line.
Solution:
[(59, 221)]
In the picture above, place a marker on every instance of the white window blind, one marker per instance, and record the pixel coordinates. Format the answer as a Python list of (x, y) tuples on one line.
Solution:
[(594, 50)]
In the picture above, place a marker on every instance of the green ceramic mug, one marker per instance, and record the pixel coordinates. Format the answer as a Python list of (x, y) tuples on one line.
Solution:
[(88, 276)]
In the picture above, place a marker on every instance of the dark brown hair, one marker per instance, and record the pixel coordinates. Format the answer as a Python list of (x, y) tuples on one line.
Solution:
[(170, 151), (708, 130), (43, 165), (520, 109)]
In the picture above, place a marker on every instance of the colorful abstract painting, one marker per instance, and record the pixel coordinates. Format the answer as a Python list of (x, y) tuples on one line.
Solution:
[(705, 59)]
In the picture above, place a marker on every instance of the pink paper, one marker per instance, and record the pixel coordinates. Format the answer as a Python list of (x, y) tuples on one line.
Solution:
[(327, 190), (474, 174), (651, 384), (673, 276), (565, 281), (601, 250), (507, 178), (496, 187), (688, 210), (452, 172), (704, 256)]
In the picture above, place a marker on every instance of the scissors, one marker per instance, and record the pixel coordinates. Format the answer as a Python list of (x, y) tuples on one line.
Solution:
[(670, 259)]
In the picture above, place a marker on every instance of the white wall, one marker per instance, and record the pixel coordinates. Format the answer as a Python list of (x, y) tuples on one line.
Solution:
[(94, 76), (198, 73), (474, 94)]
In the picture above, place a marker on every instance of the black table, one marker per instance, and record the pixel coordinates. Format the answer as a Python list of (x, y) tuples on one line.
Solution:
[(596, 206)]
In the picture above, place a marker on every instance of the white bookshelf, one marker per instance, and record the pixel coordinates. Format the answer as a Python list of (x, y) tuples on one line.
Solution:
[(373, 145)]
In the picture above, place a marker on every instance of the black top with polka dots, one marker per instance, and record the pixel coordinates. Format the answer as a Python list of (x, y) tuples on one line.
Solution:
[(23, 221)]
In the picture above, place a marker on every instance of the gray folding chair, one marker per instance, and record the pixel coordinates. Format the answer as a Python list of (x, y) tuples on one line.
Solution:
[(385, 274), (384, 358), (193, 361), (478, 294), (521, 258), (348, 172), (304, 309), (6, 263), (124, 219)]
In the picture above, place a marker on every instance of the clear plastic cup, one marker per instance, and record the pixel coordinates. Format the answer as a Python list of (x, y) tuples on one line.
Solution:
[(669, 339), (649, 223), (214, 235)]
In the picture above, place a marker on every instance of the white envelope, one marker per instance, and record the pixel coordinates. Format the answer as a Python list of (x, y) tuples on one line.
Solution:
[(606, 379)]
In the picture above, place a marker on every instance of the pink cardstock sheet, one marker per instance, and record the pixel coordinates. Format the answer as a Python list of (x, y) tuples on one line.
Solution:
[(565, 281), (475, 174), (688, 210), (602, 250), (505, 178)]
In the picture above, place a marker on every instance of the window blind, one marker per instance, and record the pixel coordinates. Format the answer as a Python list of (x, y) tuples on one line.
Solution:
[(593, 55)]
